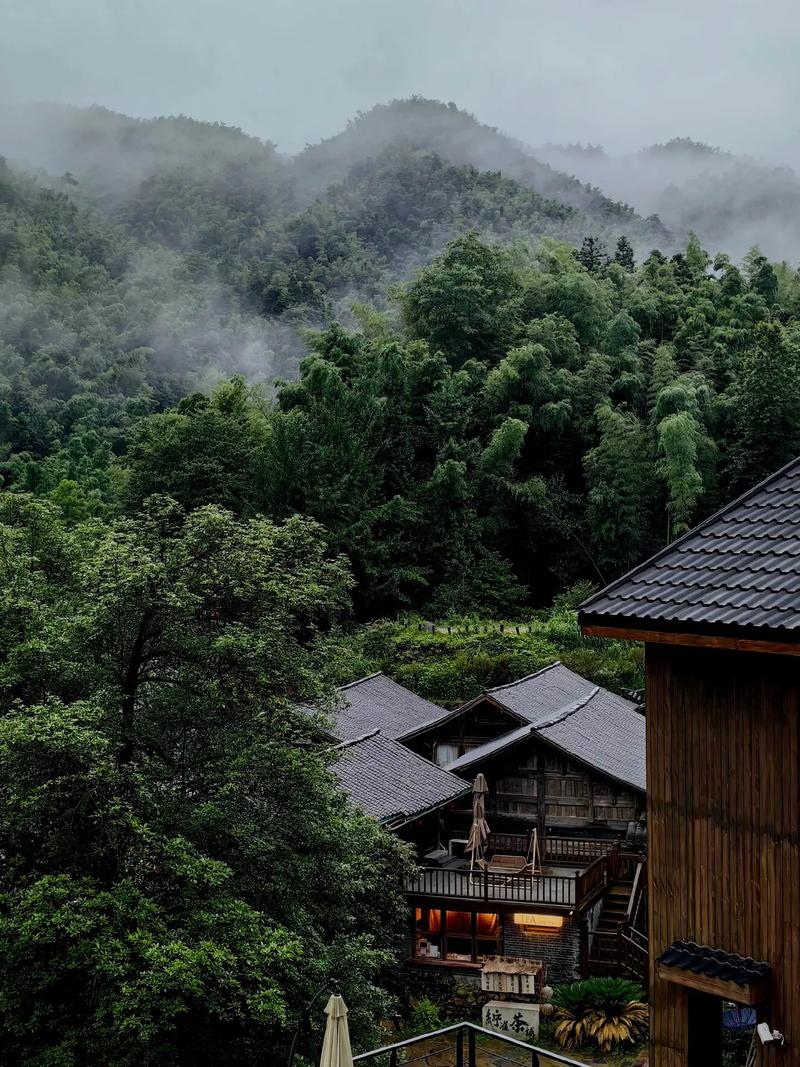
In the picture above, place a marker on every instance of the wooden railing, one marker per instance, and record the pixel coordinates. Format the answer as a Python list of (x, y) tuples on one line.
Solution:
[(601, 862), (570, 851), (598, 876), (633, 953), (575, 850), (630, 862), (548, 889), (637, 894)]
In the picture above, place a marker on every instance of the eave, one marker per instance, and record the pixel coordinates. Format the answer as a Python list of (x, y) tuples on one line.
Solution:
[(652, 632)]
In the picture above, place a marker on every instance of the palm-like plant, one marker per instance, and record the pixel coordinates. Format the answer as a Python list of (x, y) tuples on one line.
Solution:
[(572, 1006), (608, 1011)]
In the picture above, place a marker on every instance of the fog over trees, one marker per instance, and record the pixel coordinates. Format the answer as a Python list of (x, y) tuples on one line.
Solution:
[(265, 391)]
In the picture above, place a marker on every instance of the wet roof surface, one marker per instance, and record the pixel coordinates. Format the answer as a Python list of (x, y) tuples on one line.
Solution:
[(738, 571), (597, 727), (392, 783)]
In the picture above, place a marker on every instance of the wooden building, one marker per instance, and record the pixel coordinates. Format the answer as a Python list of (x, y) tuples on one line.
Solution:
[(559, 753), (719, 611), (552, 735)]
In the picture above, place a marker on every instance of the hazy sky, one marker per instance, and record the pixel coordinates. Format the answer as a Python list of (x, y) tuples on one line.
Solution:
[(620, 72)]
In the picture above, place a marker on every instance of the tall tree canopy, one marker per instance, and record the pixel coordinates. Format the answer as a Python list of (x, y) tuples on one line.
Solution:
[(180, 872)]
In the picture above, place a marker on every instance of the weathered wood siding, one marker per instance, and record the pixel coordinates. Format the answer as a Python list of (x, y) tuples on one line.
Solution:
[(475, 726), (723, 782)]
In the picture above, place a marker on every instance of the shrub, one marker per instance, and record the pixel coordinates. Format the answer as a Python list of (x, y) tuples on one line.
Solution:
[(606, 1012), (424, 1017)]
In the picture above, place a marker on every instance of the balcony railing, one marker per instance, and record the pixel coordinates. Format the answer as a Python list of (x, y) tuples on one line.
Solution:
[(462, 884), (575, 890), (569, 851)]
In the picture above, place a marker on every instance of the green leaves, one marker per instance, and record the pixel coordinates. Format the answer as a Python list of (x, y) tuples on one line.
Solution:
[(180, 870)]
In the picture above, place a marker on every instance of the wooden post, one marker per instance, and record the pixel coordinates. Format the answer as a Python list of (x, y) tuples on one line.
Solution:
[(471, 1043), (460, 1049), (541, 803), (590, 794)]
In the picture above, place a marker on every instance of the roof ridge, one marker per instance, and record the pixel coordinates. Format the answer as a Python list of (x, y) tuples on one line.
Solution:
[(510, 737), (355, 740), (358, 681), (586, 605), (567, 710), (527, 677)]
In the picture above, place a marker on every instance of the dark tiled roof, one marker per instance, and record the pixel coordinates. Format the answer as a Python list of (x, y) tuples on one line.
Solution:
[(392, 783), (736, 573), (538, 697), (378, 703), (714, 963), (596, 727)]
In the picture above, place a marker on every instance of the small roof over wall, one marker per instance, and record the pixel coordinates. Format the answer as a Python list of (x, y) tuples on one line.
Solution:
[(735, 577), (594, 726), (708, 970), (390, 782)]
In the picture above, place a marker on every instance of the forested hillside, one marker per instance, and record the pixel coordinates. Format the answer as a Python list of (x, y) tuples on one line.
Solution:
[(521, 418), (732, 202), (248, 404)]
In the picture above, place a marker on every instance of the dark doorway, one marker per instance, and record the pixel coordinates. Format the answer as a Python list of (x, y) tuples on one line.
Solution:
[(705, 1030)]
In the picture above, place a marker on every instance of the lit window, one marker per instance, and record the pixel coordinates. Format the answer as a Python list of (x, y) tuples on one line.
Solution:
[(459, 936)]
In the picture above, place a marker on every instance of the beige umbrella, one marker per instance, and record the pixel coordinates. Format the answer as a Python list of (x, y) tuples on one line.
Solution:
[(479, 831), (336, 1050)]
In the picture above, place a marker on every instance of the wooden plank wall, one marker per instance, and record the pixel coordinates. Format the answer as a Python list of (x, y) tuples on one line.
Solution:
[(723, 770)]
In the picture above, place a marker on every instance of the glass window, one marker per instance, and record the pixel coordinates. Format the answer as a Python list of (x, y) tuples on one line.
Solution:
[(459, 936), (445, 752), (487, 935), (428, 933), (458, 932)]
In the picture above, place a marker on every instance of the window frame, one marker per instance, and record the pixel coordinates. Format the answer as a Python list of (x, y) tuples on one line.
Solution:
[(476, 958)]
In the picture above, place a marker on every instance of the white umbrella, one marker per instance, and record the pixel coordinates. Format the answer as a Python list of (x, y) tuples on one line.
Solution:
[(336, 1050), (479, 831)]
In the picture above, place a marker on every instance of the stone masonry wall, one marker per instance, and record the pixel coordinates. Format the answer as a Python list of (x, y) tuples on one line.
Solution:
[(559, 950)]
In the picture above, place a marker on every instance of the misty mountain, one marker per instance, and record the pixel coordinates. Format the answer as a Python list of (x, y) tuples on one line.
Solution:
[(98, 327), (118, 160), (459, 138), (732, 202), (115, 154), (302, 238)]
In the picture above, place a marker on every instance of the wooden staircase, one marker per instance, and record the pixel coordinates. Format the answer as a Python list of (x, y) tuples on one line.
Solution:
[(604, 948), (617, 945)]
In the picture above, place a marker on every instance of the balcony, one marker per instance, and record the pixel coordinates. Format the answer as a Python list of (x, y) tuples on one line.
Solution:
[(573, 875)]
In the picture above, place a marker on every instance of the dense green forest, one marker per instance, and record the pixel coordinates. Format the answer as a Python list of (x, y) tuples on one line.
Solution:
[(251, 408)]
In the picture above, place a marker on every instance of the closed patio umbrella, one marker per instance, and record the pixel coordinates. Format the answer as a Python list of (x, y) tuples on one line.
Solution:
[(479, 831), (336, 1050)]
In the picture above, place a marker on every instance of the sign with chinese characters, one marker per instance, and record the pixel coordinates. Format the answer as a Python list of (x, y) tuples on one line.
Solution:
[(512, 1017)]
